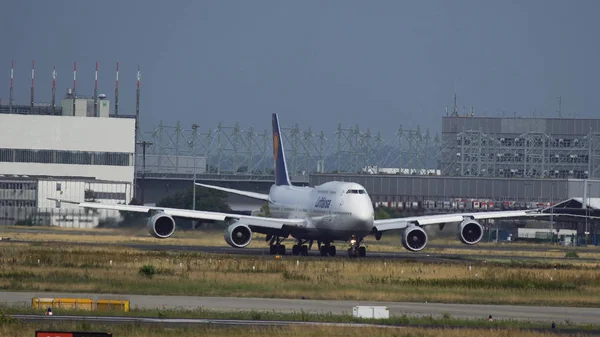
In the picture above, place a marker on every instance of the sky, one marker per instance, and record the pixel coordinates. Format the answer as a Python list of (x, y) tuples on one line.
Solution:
[(377, 64)]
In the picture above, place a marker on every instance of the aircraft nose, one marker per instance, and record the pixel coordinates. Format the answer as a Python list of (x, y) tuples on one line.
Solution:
[(366, 215)]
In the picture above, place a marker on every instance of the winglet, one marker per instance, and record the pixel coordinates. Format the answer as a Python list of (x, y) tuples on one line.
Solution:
[(280, 166)]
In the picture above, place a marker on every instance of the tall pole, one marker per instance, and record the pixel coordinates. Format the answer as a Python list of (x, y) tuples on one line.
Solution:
[(137, 103), (96, 92), (10, 97), (32, 84), (195, 133), (74, 85), (137, 118), (144, 144), (117, 92), (586, 192), (552, 209), (54, 90)]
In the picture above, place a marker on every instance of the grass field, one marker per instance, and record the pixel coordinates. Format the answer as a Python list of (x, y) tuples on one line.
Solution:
[(28, 330), (43, 267), (407, 320), (389, 243)]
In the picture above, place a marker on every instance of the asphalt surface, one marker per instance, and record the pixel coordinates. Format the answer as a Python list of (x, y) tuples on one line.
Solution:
[(528, 313), (401, 254), (503, 247), (172, 322)]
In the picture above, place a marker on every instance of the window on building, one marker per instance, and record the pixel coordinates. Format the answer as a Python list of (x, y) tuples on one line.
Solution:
[(66, 157)]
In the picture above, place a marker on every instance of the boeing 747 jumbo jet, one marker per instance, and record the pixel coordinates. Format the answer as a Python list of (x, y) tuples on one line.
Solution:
[(333, 211)]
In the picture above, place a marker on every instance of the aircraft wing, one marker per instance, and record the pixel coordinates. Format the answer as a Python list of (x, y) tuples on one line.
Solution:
[(401, 223), (253, 195), (255, 222)]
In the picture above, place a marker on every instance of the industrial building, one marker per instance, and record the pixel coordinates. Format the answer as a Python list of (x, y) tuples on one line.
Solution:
[(520, 147), (73, 151), (66, 146), (36, 200), (64, 157)]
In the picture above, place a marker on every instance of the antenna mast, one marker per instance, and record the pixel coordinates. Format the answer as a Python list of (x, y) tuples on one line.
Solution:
[(117, 92), (53, 90), (96, 92), (10, 98), (74, 85), (32, 83)]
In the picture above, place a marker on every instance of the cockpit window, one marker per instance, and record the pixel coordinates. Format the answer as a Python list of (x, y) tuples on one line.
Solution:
[(356, 192)]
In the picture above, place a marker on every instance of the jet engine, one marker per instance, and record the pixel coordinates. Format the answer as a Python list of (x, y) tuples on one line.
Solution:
[(161, 226), (238, 235), (414, 238), (470, 232)]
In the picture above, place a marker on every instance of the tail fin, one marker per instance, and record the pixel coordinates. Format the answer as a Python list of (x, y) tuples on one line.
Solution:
[(281, 172)]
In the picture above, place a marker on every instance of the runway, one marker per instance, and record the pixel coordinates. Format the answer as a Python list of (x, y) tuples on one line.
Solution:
[(174, 322), (466, 311), (401, 254), (503, 247)]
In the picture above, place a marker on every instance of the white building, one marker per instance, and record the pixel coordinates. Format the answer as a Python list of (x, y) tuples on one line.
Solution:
[(38, 200), (67, 146), (71, 158)]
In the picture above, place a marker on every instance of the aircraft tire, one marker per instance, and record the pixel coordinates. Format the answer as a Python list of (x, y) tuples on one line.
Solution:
[(281, 249), (304, 250), (331, 251), (323, 250), (295, 250), (362, 251)]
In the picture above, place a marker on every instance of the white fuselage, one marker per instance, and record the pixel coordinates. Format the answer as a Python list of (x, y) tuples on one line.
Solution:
[(334, 210)]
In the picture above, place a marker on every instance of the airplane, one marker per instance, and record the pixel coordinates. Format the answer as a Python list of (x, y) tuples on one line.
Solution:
[(330, 212)]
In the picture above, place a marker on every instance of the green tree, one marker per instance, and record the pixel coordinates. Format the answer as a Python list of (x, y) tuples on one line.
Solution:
[(206, 200), (265, 210), (132, 219), (381, 213)]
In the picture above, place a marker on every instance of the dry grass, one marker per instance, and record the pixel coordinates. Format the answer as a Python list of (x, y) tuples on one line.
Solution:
[(28, 329), (77, 269), (212, 238)]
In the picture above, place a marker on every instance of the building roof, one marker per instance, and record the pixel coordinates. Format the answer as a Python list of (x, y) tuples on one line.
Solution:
[(12, 177), (573, 208), (577, 203)]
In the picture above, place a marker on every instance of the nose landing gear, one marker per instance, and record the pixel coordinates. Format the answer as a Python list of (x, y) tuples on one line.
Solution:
[(356, 250)]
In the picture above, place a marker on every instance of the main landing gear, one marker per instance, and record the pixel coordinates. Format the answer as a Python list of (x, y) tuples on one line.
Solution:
[(356, 250), (275, 246), (300, 248), (327, 249)]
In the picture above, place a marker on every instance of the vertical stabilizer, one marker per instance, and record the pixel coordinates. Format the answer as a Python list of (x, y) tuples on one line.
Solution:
[(280, 166)]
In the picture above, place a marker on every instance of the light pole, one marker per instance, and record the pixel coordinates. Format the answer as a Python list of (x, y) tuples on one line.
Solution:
[(195, 133), (552, 209), (144, 144), (586, 193)]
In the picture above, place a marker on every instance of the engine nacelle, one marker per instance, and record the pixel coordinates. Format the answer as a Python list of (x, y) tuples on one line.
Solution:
[(470, 232), (238, 235), (161, 226), (414, 238)]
